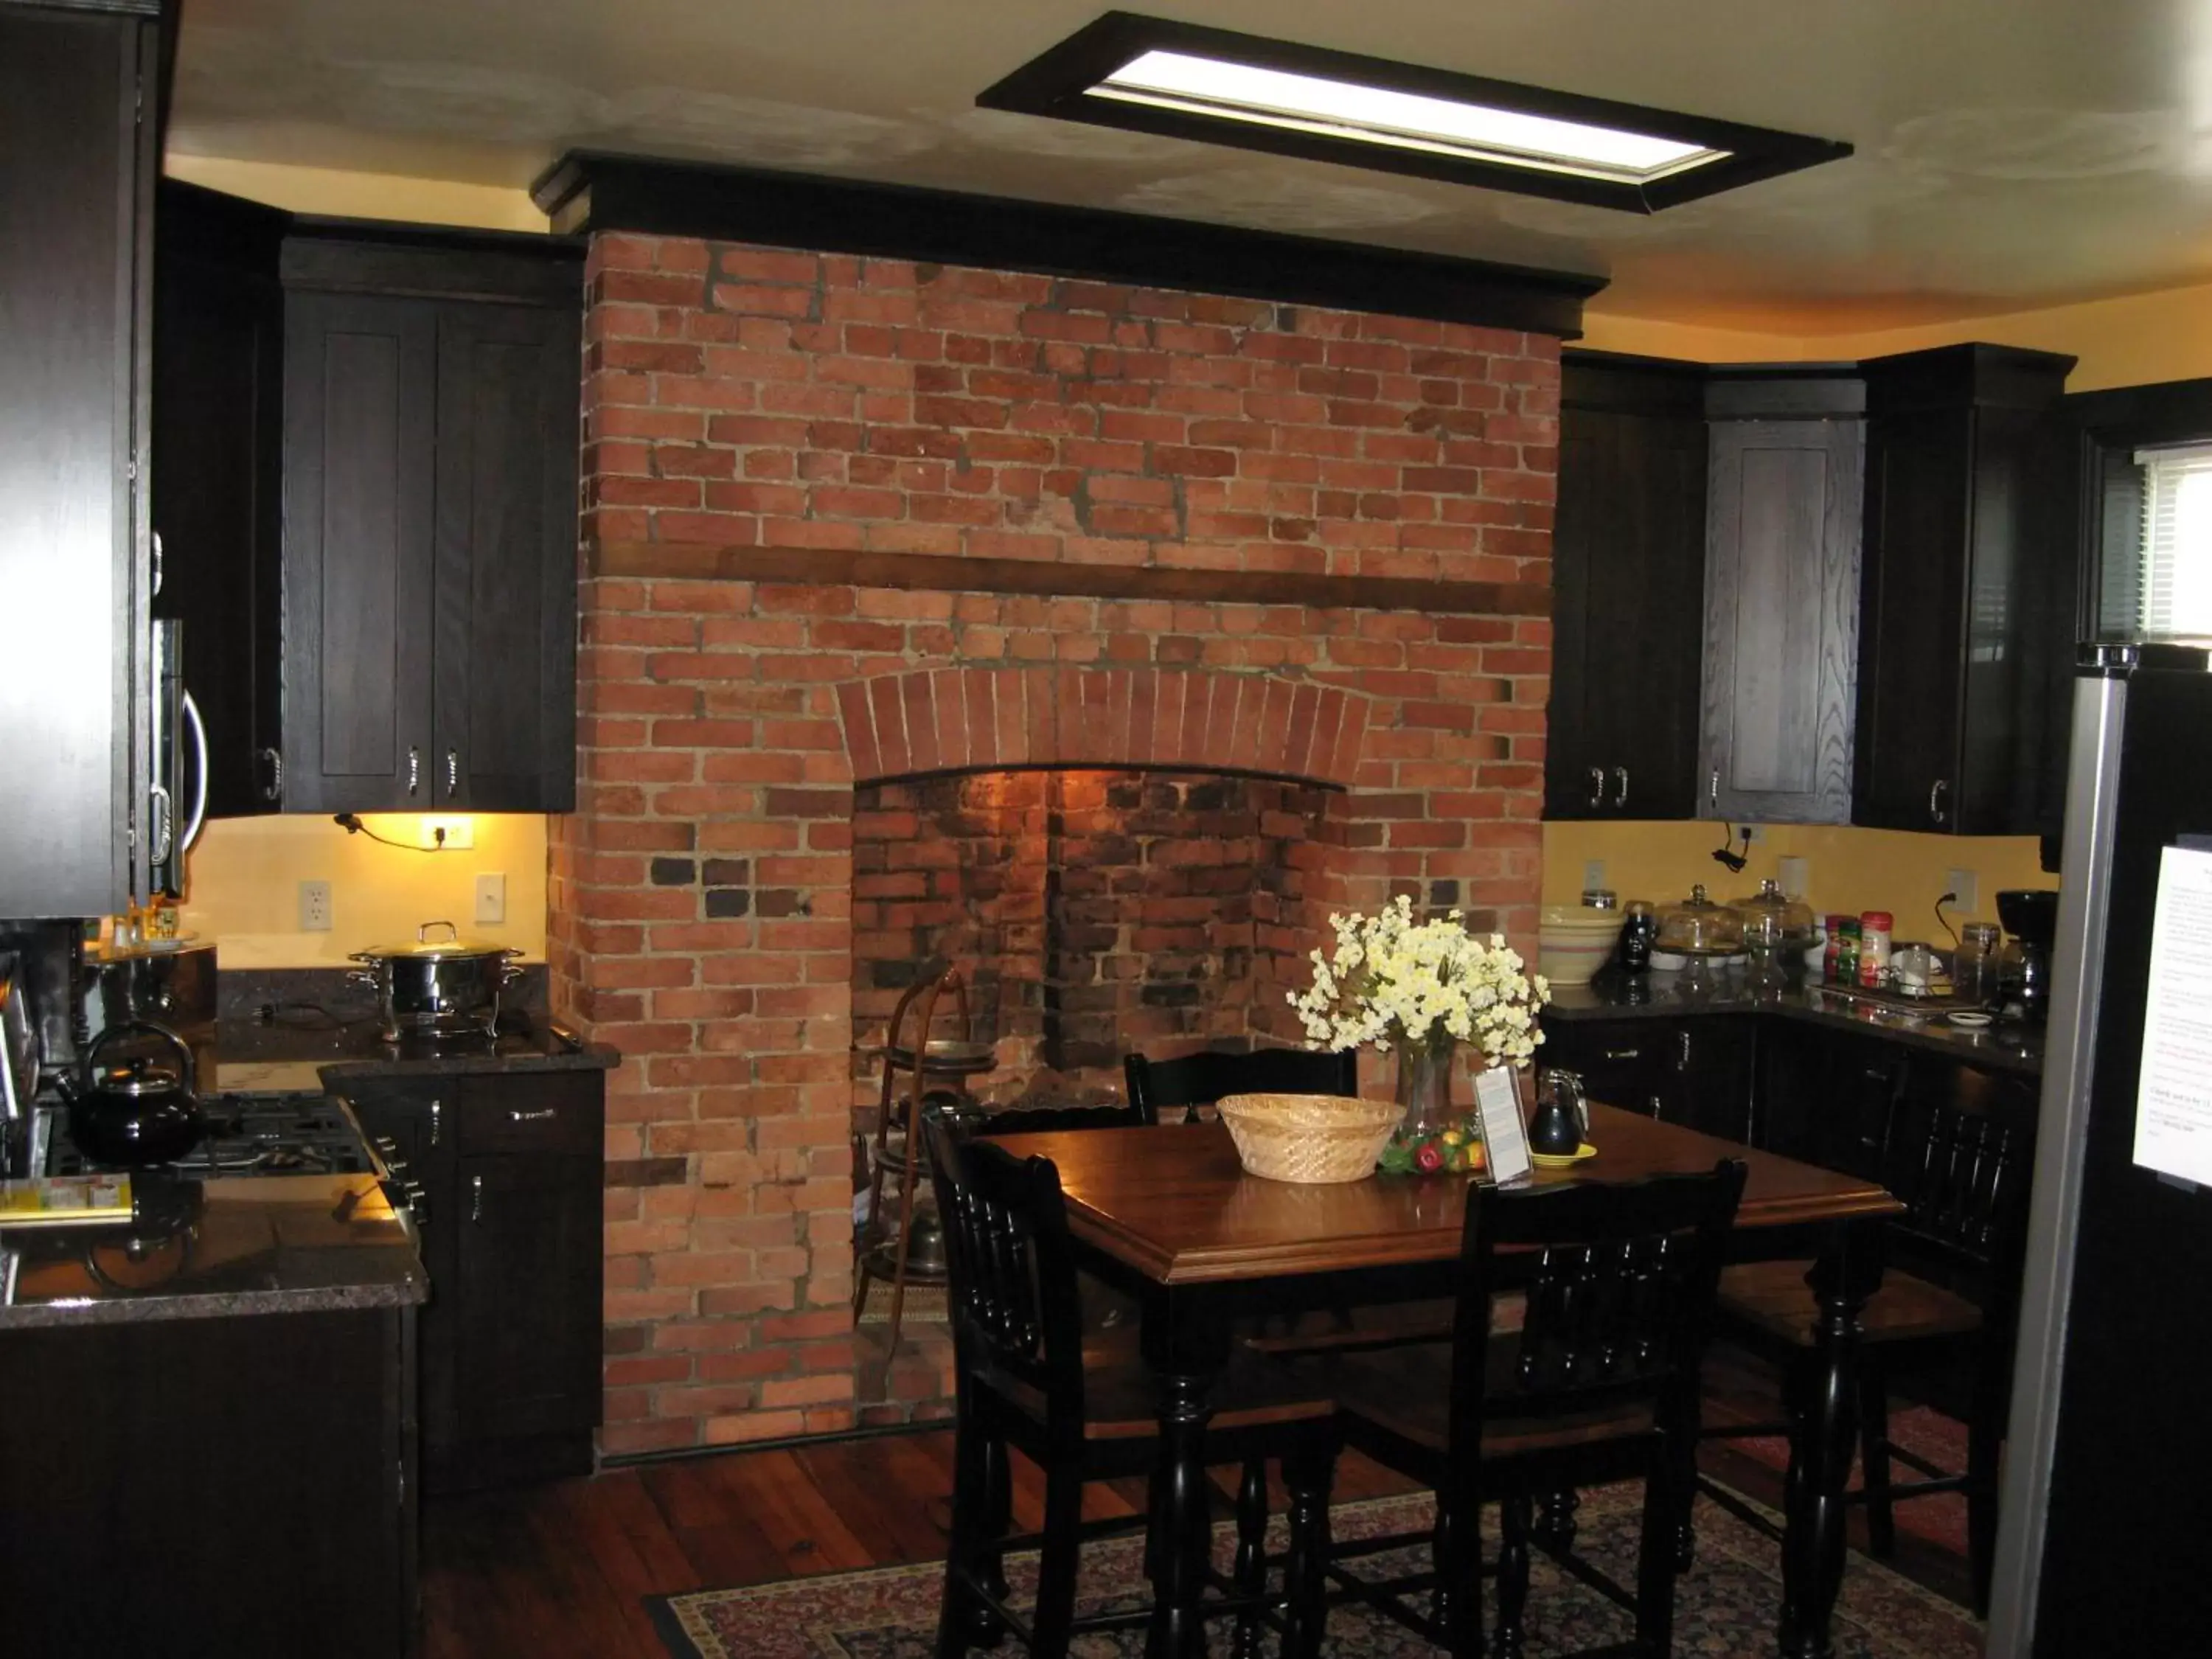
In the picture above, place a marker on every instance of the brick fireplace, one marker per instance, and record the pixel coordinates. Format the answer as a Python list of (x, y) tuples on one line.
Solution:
[(845, 630)]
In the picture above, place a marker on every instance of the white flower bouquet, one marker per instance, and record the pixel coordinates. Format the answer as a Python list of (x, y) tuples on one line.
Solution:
[(1395, 982), (1422, 989)]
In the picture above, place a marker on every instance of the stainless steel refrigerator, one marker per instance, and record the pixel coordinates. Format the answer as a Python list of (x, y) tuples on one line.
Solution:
[(2103, 1544)]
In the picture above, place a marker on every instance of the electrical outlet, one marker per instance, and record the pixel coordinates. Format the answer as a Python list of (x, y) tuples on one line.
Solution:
[(1754, 833), (1966, 888), (491, 897), (314, 907), (1793, 878), (1593, 873)]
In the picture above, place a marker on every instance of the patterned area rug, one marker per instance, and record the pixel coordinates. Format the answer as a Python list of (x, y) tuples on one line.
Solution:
[(1725, 1606), (1940, 1517)]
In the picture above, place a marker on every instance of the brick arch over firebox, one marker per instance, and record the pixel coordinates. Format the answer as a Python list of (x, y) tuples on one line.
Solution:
[(1194, 719)]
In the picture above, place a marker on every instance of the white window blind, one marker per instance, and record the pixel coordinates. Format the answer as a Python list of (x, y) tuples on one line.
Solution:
[(2174, 583)]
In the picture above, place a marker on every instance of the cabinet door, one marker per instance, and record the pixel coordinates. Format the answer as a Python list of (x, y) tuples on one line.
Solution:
[(525, 1323), (360, 425), (1622, 1062), (506, 626), (218, 460), (75, 164), (1712, 1064), (1917, 518), (1628, 558), (1781, 591)]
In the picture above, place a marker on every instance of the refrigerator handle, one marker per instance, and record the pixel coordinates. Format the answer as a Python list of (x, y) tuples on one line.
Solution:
[(2070, 1065)]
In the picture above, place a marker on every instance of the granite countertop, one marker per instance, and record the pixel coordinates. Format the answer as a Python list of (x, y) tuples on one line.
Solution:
[(2005, 1045), (207, 1250), (257, 1055)]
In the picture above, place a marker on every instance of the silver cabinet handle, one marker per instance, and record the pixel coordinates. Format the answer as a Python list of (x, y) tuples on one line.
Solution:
[(414, 768), (437, 1119), (475, 1198), (1713, 792), (1683, 1037), (1597, 786), (1656, 1105), (543, 1114), (453, 773), (1619, 787), (157, 562), (1937, 813), (274, 789), (199, 729), (1624, 1053)]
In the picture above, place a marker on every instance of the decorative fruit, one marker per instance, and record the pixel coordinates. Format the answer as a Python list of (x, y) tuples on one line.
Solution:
[(1429, 1157)]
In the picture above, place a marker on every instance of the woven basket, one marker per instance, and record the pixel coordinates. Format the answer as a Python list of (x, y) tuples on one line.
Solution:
[(1308, 1138)]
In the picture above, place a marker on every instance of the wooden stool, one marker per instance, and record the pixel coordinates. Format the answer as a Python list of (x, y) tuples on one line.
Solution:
[(885, 1254)]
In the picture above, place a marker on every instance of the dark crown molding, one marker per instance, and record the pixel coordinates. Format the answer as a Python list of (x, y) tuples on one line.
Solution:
[(589, 191)]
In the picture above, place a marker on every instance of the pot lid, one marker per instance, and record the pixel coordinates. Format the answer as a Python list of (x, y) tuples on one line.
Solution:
[(425, 948)]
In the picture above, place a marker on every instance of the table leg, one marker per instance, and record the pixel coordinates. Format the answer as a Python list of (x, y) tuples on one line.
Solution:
[(1179, 1516), (1824, 1430)]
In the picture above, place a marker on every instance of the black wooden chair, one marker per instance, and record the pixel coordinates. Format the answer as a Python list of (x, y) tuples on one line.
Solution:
[(1946, 1309), (1599, 1383), (1025, 1379), (1202, 1078)]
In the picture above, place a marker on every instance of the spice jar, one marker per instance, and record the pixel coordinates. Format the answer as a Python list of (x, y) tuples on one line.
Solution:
[(1873, 949), (1847, 950)]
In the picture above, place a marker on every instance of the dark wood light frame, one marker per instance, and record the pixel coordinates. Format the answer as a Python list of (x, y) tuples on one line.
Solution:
[(1056, 82)]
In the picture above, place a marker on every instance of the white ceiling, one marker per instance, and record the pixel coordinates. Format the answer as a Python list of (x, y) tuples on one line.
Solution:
[(2010, 152)]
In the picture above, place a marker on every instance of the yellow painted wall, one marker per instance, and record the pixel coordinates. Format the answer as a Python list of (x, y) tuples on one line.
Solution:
[(361, 195), (244, 876), (1846, 870)]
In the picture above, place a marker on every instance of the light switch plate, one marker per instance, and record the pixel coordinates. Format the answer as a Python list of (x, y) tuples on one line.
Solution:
[(1966, 888), (314, 907), (491, 897), (1793, 878), (1593, 873)]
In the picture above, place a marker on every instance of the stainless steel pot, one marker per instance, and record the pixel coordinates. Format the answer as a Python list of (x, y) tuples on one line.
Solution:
[(442, 987)]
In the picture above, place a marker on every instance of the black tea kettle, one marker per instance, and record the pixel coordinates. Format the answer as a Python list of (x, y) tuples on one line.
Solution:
[(137, 1110)]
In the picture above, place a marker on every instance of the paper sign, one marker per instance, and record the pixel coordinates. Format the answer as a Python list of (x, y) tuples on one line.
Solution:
[(2174, 1105), (1504, 1136)]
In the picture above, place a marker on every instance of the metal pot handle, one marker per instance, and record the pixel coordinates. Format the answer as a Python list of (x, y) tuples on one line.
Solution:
[(366, 976), (423, 934)]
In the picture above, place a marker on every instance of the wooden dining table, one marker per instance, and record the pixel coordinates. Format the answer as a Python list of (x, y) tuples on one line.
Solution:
[(1167, 1215)]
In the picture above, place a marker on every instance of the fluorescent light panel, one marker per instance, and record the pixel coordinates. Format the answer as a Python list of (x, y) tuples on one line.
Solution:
[(1400, 121)]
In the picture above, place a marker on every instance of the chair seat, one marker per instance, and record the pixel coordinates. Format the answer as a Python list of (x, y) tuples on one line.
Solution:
[(1122, 1396), (1405, 1392), (1773, 1297)]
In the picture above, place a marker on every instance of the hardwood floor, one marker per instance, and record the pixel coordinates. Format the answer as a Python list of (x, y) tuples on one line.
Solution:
[(558, 1571)]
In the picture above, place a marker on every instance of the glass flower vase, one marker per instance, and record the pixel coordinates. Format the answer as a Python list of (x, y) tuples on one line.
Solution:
[(1424, 1080)]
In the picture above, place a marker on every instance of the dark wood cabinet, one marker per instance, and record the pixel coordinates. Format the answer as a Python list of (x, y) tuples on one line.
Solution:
[(76, 169), (1781, 599), (429, 472), (1628, 561), (1968, 545), (217, 508), (1695, 1072), (1825, 1096), (510, 1172)]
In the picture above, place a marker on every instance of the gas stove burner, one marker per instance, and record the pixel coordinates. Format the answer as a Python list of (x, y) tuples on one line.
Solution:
[(257, 1135)]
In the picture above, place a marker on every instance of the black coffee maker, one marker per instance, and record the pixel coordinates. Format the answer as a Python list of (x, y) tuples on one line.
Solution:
[(2030, 915)]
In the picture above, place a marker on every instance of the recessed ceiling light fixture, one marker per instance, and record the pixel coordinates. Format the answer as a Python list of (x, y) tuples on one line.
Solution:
[(1152, 75)]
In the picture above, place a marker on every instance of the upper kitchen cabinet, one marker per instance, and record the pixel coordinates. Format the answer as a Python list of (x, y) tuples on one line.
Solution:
[(1968, 548), (429, 508), (1781, 595), (76, 169), (1628, 558), (218, 429)]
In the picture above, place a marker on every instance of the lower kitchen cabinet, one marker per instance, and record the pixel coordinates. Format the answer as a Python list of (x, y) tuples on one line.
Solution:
[(1697, 1072), (510, 1174), (235, 1485)]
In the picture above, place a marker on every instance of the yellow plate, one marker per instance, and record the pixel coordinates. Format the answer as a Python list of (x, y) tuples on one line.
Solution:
[(1562, 1160)]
